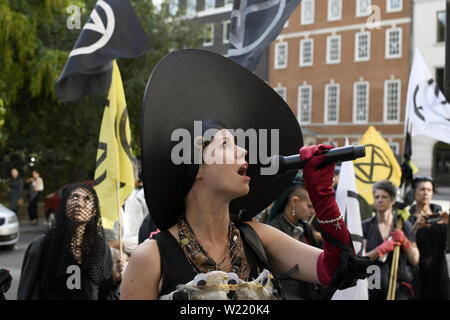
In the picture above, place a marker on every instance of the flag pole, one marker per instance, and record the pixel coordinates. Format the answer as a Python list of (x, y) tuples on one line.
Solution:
[(119, 220), (447, 53)]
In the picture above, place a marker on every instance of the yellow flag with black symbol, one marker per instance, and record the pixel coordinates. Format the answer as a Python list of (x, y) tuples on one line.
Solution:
[(378, 164), (114, 175)]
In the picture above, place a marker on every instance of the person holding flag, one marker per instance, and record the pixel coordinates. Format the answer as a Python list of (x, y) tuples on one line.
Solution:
[(380, 239)]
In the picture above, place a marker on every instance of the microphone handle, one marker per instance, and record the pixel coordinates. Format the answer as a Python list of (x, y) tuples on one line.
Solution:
[(348, 153)]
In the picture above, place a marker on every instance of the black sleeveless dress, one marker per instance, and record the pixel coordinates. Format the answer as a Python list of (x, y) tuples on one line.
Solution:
[(176, 269)]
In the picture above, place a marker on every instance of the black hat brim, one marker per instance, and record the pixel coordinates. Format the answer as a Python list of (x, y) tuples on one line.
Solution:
[(197, 85)]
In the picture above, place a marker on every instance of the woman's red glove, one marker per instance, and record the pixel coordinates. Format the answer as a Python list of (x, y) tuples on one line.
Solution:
[(319, 184), (387, 246), (399, 236)]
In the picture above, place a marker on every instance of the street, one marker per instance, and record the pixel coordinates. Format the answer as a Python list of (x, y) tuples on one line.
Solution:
[(12, 259)]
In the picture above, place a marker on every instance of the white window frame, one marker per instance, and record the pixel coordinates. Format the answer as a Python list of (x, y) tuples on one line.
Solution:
[(228, 2), (173, 7), (388, 43), (330, 17), (389, 8), (302, 63), (208, 44), (304, 20), (369, 39), (282, 92), (286, 24), (276, 64), (359, 13), (213, 5), (355, 101), (386, 96), (329, 39), (224, 31), (327, 87), (299, 104), (191, 10)]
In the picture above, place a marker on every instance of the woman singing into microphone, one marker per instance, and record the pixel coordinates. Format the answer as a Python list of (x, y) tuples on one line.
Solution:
[(207, 247)]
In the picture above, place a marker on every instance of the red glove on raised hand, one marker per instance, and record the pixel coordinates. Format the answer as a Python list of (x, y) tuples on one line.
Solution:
[(399, 236), (318, 183), (387, 246)]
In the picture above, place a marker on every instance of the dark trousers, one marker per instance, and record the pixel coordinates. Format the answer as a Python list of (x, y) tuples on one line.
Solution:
[(32, 207)]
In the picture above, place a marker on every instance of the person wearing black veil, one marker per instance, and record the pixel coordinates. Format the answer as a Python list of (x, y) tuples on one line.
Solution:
[(71, 261), (290, 214), (202, 192)]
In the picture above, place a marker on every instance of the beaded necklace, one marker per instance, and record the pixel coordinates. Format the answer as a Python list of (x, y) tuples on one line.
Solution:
[(201, 262)]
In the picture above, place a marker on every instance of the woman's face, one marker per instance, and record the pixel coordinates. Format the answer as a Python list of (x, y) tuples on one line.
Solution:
[(224, 168), (382, 200), (80, 205), (424, 192), (303, 209), (14, 173)]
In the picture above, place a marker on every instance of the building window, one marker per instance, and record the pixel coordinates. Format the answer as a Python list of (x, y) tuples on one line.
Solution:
[(173, 7), (333, 49), (395, 146), (392, 99), (441, 22), (229, 2), (306, 52), (361, 102), (393, 43), (334, 10), (281, 55), (208, 35), (304, 104), (394, 5), (331, 103), (362, 46), (226, 31), (191, 7), (281, 91), (363, 8), (210, 4), (307, 12)]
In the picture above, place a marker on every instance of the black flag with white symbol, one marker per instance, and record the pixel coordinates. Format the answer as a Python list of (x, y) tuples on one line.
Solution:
[(112, 31), (254, 25)]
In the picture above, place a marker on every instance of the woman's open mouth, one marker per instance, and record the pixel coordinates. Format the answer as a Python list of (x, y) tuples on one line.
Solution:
[(243, 171)]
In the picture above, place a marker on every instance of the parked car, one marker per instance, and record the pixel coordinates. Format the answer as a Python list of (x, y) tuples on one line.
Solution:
[(9, 228), (53, 200)]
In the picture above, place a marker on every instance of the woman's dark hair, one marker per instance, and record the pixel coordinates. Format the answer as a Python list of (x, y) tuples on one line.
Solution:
[(418, 180), (387, 186)]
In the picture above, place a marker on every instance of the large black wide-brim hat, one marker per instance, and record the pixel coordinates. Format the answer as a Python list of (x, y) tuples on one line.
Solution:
[(197, 85)]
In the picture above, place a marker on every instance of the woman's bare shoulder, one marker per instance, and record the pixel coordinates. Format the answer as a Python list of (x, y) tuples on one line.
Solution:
[(143, 273)]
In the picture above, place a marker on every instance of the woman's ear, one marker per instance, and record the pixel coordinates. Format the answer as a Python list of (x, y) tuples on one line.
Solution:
[(199, 172), (294, 200)]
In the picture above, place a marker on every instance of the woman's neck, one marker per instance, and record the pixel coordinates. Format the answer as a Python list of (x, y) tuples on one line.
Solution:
[(423, 208), (385, 217), (209, 217)]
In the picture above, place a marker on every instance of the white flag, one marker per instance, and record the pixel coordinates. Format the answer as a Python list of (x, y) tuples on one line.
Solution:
[(427, 110), (346, 198)]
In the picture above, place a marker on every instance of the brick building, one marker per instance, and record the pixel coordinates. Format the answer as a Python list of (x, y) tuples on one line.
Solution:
[(343, 66)]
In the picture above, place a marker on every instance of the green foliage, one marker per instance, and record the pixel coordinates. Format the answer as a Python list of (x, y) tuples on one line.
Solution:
[(63, 137)]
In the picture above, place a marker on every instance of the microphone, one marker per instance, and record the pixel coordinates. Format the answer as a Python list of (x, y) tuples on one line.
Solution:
[(294, 162)]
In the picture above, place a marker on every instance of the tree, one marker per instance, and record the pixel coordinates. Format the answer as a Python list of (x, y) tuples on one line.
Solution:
[(63, 137)]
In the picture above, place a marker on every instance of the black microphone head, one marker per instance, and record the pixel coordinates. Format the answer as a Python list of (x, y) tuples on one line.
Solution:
[(359, 151)]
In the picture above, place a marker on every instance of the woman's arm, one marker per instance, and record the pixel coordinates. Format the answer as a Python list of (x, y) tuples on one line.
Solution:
[(413, 254), (284, 253), (142, 277)]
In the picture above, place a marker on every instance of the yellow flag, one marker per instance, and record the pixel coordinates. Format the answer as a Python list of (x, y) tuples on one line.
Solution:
[(378, 164), (114, 169)]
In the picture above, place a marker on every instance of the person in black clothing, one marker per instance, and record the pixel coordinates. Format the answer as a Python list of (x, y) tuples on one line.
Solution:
[(72, 261), (380, 238), (200, 196), (15, 188), (290, 214), (433, 279)]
